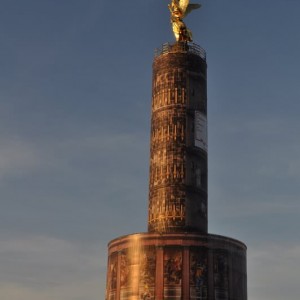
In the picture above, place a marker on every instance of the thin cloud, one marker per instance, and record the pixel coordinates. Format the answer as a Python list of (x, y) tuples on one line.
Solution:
[(17, 157), (273, 271), (40, 267)]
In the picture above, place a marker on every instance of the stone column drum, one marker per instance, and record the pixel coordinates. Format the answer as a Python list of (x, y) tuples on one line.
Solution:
[(178, 154)]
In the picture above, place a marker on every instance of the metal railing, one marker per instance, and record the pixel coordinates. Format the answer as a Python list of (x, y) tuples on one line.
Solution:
[(181, 47)]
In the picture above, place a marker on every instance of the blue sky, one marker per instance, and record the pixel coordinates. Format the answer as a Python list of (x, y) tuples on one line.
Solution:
[(75, 92)]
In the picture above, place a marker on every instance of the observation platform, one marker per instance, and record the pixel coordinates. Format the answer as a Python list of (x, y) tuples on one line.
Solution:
[(180, 47)]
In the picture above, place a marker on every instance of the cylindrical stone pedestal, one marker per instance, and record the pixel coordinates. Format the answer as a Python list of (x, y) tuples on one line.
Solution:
[(176, 267)]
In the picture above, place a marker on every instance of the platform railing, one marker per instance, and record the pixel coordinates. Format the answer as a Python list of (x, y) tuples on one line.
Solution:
[(181, 47)]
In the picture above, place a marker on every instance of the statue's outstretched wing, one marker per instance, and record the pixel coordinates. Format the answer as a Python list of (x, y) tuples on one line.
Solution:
[(191, 7), (183, 4)]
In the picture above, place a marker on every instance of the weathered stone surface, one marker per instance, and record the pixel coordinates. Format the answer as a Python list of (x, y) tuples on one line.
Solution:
[(178, 169)]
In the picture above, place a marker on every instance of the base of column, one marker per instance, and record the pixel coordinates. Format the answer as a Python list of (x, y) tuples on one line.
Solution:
[(150, 266)]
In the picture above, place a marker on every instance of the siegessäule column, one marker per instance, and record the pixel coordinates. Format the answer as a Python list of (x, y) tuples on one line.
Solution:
[(177, 259), (178, 154)]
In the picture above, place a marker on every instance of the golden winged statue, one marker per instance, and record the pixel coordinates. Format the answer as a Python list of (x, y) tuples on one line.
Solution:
[(179, 10)]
